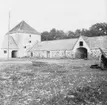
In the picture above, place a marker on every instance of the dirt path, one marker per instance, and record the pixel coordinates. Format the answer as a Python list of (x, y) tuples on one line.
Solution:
[(74, 62), (16, 62)]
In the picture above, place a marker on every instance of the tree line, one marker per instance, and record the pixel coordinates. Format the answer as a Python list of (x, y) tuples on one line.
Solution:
[(98, 29)]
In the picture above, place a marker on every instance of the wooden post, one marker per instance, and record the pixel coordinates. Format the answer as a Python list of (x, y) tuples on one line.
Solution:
[(8, 34), (65, 54)]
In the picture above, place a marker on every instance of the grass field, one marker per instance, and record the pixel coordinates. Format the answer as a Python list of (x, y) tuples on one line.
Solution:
[(53, 82)]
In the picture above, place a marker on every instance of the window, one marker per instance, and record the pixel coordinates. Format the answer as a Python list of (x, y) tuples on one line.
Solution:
[(5, 51), (29, 41), (81, 43), (24, 46)]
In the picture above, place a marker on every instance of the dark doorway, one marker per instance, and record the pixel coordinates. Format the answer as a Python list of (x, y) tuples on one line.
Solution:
[(48, 54), (14, 54), (81, 53), (31, 54)]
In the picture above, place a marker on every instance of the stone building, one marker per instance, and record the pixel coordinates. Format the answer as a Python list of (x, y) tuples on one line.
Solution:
[(82, 47), (18, 40)]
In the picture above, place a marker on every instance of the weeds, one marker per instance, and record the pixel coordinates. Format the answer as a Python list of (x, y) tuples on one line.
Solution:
[(51, 85)]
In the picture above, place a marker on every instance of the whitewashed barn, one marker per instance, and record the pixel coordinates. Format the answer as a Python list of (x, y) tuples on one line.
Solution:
[(18, 40), (82, 47)]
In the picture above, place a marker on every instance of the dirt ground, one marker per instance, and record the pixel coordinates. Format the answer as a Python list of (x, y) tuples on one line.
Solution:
[(68, 61), (28, 60), (52, 82)]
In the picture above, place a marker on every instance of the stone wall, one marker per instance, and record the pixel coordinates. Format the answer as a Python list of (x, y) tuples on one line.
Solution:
[(70, 54), (53, 54), (57, 54), (95, 53)]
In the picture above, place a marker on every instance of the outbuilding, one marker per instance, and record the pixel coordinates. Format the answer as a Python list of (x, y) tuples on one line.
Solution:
[(81, 48), (18, 40)]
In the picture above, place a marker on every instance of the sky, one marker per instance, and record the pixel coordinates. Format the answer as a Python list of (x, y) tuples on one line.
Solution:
[(43, 15)]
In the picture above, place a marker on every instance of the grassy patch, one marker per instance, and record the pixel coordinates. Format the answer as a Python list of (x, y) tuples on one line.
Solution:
[(52, 84)]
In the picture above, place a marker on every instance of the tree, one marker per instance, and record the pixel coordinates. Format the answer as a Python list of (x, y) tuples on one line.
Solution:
[(98, 29), (45, 36), (70, 34), (86, 32), (53, 34), (77, 33), (95, 30), (60, 34)]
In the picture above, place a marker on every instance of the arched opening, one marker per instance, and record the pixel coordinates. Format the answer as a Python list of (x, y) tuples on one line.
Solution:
[(14, 54), (81, 53)]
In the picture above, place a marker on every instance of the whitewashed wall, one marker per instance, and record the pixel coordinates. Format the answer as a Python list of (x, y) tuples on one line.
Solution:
[(70, 54), (57, 54), (53, 54), (95, 53), (22, 40), (40, 54), (5, 55), (84, 45)]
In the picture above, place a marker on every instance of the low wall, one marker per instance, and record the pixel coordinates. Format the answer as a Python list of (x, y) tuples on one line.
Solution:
[(53, 54), (94, 54)]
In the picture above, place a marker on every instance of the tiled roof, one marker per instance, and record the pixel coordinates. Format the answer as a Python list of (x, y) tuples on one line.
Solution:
[(12, 44), (92, 42), (23, 27), (56, 45), (96, 42)]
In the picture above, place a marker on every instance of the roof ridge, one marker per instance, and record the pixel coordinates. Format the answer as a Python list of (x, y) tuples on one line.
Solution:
[(23, 27), (58, 40)]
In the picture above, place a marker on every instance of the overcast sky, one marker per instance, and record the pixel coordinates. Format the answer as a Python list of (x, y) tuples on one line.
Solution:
[(44, 15)]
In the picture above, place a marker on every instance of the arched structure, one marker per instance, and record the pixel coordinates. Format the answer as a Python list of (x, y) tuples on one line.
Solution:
[(81, 53)]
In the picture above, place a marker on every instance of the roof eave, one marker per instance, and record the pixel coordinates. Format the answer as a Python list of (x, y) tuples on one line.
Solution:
[(23, 32)]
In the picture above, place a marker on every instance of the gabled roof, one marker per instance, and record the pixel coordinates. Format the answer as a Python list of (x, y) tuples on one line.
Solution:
[(12, 44), (66, 44), (23, 27), (96, 42)]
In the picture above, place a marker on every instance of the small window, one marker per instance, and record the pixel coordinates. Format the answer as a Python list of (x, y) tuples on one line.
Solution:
[(5, 51), (29, 35), (81, 43), (29, 41), (24, 46)]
